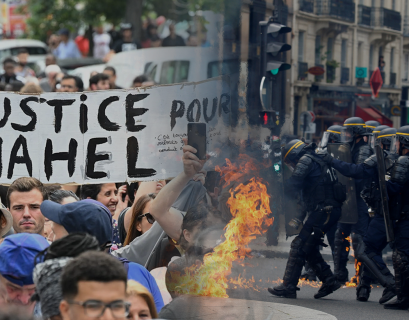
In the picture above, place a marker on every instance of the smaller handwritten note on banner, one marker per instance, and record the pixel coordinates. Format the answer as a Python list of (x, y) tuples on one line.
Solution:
[(114, 135)]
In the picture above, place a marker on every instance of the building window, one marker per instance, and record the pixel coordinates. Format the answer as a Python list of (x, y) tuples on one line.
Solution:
[(406, 67), (344, 46), (394, 5), (317, 50), (392, 59), (361, 2), (330, 44), (301, 46)]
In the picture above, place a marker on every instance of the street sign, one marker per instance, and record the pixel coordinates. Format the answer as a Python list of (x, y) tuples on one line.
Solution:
[(361, 73), (312, 115), (310, 128), (306, 117)]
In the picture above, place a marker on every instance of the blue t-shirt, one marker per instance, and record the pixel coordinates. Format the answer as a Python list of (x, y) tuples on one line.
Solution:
[(140, 274)]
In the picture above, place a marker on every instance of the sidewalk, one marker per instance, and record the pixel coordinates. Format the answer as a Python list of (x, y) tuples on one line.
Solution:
[(198, 308)]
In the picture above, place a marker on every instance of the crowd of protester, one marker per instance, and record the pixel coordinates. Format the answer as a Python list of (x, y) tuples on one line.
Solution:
[(72, 252), (19, 77)]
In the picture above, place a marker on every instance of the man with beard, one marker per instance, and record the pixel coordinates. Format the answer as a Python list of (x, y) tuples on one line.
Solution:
[(22, 69), (24, 198)]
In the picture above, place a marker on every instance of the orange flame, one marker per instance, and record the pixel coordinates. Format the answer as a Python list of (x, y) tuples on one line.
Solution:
[(355, 279), (250, 207)]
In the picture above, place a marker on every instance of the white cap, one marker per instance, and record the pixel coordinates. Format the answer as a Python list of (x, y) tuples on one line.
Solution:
[(52, 68)]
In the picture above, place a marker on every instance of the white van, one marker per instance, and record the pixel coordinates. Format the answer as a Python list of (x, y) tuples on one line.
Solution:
[(166, 65)]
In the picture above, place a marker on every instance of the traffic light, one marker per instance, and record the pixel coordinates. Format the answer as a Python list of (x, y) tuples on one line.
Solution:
[(270, 48), (268, 119)]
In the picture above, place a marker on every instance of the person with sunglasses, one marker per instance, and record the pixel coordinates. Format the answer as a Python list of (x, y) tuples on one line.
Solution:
[(142, 220)]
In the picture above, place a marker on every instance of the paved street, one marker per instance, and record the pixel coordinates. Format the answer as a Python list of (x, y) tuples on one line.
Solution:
[(341, 304)]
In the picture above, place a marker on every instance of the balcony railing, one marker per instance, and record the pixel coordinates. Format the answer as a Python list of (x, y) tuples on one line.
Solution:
[(340, 9), (306, 5), (302, 70), (364, 15), (344, 75), (392, 80), (386, 18)]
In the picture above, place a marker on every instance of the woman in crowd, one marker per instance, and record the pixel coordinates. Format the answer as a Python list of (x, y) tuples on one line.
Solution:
[(141, 220), (111, 197), (62, 197), (142, 304)]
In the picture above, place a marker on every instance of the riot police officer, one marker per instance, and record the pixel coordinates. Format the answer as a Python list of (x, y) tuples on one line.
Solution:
[(371, 125), (354, 133), (332, 135), (369, 252), (398, 193), (322, 197)]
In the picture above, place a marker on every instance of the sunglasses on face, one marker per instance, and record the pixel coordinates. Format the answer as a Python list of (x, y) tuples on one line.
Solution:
[(148, 216)]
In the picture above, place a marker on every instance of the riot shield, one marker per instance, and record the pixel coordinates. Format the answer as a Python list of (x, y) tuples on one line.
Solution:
[(342, 151), (384, 195), (292, 211)]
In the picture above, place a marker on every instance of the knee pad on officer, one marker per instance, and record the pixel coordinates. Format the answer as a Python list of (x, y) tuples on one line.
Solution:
[(358, 245)]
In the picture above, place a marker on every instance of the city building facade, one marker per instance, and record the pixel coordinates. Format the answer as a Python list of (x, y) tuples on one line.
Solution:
[(348, 40)]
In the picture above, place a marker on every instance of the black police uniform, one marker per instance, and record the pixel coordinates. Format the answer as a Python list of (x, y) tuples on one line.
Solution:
[(375, 239), (322, 198), (398, 194), (360, 151)]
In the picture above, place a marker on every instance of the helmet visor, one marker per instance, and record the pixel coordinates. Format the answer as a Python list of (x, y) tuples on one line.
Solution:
[(395, 145), (347, 134), (372, 140), (325, 139)]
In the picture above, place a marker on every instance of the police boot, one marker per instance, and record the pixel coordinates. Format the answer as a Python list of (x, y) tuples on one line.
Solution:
[(388, 294), (329, 284), (401, 266), (363, 290), (341, 249), (295, 263), (309, 274)]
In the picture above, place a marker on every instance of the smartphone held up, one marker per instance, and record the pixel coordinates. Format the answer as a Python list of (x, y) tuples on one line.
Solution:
[(196, 137)]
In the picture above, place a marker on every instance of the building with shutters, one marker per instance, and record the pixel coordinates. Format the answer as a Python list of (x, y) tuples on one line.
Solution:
[(349, 40)]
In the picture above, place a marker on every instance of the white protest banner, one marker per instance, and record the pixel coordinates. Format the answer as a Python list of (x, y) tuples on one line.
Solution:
[(113, 135)]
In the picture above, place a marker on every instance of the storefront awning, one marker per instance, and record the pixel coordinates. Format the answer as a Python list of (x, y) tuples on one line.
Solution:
[(371, 113)]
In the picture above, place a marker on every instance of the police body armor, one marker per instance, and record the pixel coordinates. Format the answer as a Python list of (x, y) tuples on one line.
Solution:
[(327, 191), (342, 151), (400, 204), (371, 193)]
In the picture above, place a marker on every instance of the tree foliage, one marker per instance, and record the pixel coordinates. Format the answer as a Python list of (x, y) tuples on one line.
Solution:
[(48, 16)]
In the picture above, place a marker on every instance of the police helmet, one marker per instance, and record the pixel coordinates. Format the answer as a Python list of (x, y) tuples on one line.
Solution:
[(402, 135), (292, 151), (378, 129), (333, 133), (371, 125), (385, 137), (352, 128), (375, 134)]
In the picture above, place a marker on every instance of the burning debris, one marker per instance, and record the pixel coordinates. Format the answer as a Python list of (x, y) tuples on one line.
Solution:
[(249, 205)]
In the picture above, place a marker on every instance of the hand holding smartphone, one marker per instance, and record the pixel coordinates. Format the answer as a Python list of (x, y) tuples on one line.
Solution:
[(196, 137)]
